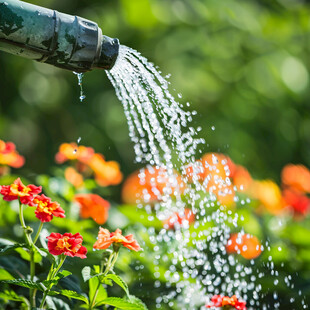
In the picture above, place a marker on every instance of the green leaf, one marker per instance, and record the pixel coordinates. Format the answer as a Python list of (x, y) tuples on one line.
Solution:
[(137, 301), (26, 255), (69, 294), (7, 246), (119, 281), (93, 284), (5, 275), (86, 273), (26, 283), (11, 295), (42, 251), (56, 303), (59, 276), (121, 304)]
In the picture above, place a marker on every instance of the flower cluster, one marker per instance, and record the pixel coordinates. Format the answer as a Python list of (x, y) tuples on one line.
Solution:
[(88, 162), (221, 176), (29, 195), (9, 156), (18, 190), (222, 301)]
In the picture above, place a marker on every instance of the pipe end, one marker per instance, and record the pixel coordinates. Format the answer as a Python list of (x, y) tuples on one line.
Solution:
[(109, 53)]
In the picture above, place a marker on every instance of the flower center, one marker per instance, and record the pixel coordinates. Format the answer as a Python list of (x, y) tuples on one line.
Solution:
[(21, 193), (43, 206), (63, 243)]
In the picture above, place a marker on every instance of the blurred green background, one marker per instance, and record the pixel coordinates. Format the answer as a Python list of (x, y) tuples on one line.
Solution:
[(243, 65)]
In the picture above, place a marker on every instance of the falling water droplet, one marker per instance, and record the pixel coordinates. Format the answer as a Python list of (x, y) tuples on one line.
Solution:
[(80, 83)]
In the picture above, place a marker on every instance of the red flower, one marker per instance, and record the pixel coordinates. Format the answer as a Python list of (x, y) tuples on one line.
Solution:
[(68, 244), (46, 209), (220, 301), (299, 202), (19, 190), (105, 239), (92, 205), (216, 301)]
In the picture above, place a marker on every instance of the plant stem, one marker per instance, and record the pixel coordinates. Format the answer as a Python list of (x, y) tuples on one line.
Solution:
[(27, 233), (32, 273), (109, 265), (38, 233), (22, 222), (51, 276)]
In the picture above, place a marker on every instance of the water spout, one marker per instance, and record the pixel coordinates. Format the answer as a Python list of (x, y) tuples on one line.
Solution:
[(62, 40)]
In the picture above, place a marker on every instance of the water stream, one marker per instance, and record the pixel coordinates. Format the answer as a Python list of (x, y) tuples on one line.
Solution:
[(165, 140)]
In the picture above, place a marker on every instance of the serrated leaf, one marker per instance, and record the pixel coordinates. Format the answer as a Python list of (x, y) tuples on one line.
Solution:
[(70, 294), (86, 273), (119, 281), (26, 283), (120, 303)]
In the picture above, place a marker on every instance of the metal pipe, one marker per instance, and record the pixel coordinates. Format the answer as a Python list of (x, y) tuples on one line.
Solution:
[(62, 40)]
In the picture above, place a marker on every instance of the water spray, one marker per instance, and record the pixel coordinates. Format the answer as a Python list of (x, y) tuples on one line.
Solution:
[(62, 40)]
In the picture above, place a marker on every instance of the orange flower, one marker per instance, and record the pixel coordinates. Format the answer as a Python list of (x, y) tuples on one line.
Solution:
[(105, 239), (73, 177), (241, 178), (180, 220), (67, 244), (269, 194), (106, 172), (71, 151), (297, 177), (214, 170), (9, 156), (18, 190), (92, 205), (211, 165), (245, 244), (46, 209), (149, 184)]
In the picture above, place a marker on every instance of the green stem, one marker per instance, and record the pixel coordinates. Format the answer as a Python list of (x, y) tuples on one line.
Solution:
[(32, 292), (22, 222), (27, 232), (109, 265), (38, 233), (51, 276)]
